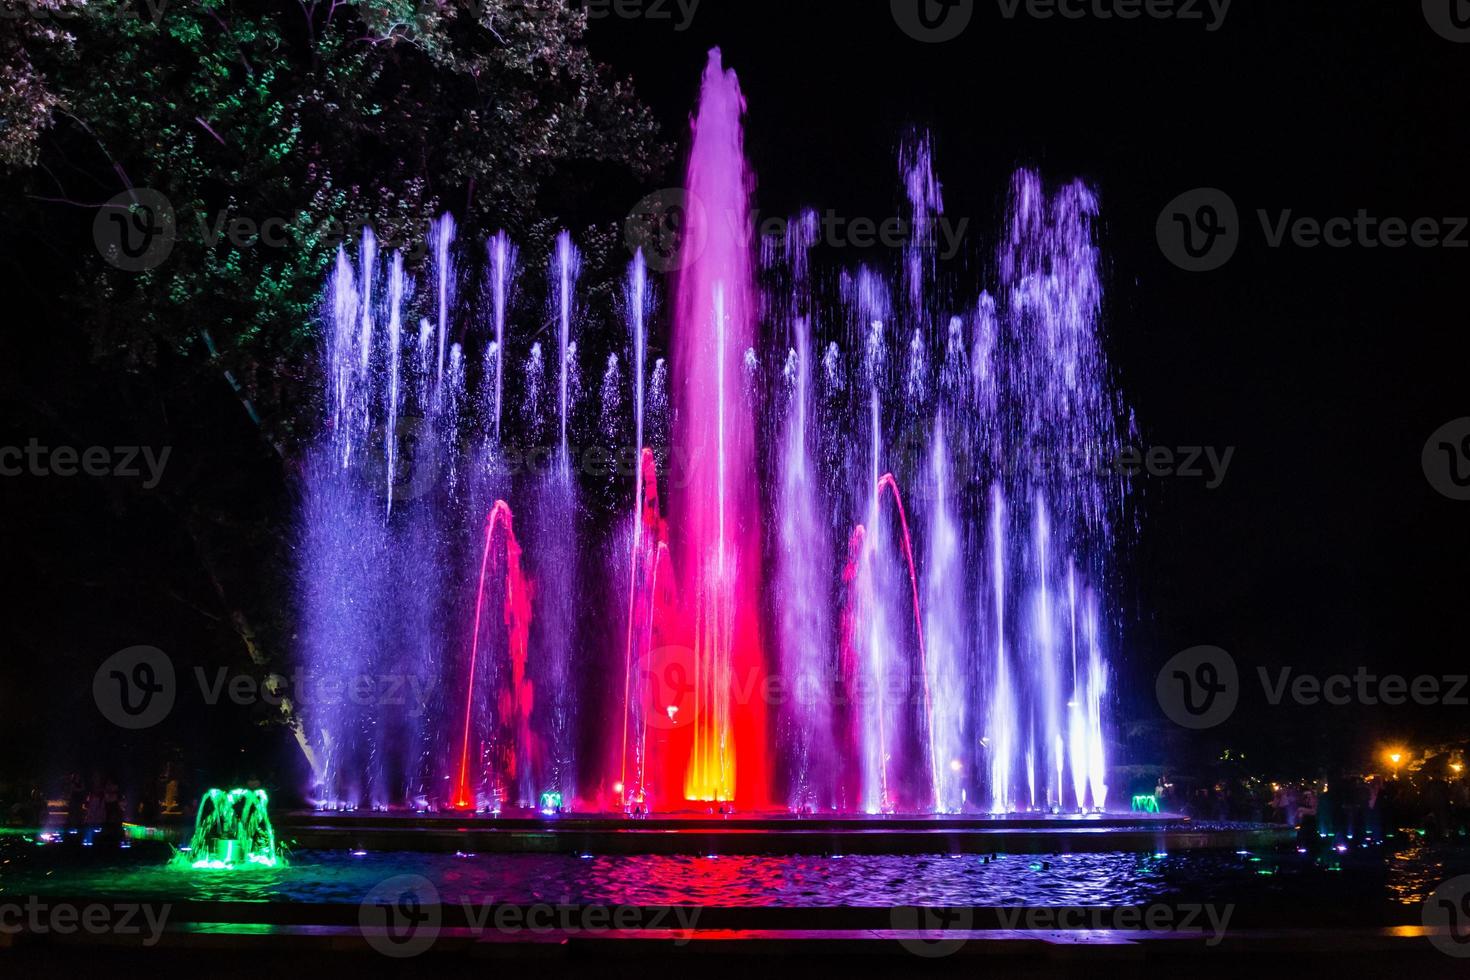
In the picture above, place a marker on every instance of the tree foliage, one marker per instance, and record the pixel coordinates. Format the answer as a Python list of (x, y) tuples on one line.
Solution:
[(305, 120)]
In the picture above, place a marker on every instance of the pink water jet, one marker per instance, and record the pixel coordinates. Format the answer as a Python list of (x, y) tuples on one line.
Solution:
[(517, 699), (857, 577), (718, 513), (858, 588)]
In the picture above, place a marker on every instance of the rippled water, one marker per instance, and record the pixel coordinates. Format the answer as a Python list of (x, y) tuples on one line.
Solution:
[(1116, 879), (878, 881)]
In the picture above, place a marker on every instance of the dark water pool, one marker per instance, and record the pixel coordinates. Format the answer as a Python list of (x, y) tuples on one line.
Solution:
[(1377, 880)]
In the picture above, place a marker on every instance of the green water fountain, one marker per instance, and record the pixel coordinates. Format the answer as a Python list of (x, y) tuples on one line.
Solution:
[(233, 831)]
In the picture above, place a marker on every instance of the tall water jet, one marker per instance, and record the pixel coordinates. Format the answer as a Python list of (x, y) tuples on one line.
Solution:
[(418, 481), (850, 716), (718, 513), (560, 603), (803, 568), (502, 274), (1001, 720), (395, 360), (1097, 689), (1043, 399), (648, 536), (441, 239), (566, 267), (798, 533), (1046, 730), (944, 589), (360, 539)]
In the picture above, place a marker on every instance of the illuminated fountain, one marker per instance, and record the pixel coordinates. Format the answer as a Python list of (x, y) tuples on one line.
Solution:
[(846, 549), (232, 831)]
